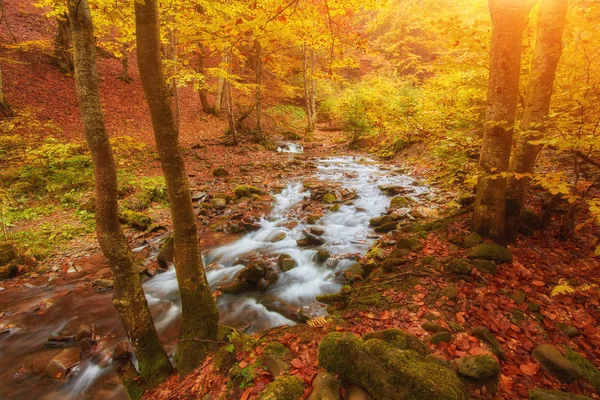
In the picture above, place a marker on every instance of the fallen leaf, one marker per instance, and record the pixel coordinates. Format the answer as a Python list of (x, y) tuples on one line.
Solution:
[(529, 369)]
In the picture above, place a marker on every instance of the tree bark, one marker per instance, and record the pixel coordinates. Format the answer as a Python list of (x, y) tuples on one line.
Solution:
[(548, 49), (203, 93), (125, 77), (174, 88), (4, 105), (308, 89), (258, 135), (128, 295), (508, 23), (62, 45), (229, 100), (199, 312), (219, 95)]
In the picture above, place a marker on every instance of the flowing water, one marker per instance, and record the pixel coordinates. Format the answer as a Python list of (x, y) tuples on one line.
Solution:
[(347, 236)]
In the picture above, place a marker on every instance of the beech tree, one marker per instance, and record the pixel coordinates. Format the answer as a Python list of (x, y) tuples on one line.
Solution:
[(128, 294), (199, 312), (548, 49), (508, 23)]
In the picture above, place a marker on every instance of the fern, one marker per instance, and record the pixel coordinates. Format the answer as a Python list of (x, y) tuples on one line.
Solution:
[(564, 287)]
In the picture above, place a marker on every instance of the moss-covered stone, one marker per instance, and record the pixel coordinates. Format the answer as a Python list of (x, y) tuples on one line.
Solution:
[(136, 220), (516, 317), (220, 172), (568, 330), (387, 372), (286, 387), (483, 334), (246, 191), (472, 240), (450, 291), (399, 339), (399, 202), (432, 327), (286, 262), (589, 370), (329, 198), (325, 387), (323, 255), (334, 208), (411, 243), (387, 227), (442, 336), (492, 251), (8, 253), (481, 366), (218, 203), (8, 271), (543, 394), (313, 219), (275, 357), (378, 221), (459, 266), (518, 296), (556, 364), (531, 219), (485, 266)]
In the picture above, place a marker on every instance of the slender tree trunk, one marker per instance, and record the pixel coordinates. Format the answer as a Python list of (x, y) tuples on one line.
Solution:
[(229, 100), (62, 45), (203, 93), (174, 87), (128, 295), (258, 136), (313, 92), (508, 23), (199, 312), (310, 127), (125, 77), (219, 95), (548, 49), (4, 105)]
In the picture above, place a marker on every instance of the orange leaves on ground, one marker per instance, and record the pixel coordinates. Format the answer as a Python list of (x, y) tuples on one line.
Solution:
[(529, 369)]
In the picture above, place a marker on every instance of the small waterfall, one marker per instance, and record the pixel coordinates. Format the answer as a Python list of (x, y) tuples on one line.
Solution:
[(290, 148)]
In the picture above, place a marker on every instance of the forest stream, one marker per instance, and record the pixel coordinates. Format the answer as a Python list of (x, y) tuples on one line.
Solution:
[(317, 255)]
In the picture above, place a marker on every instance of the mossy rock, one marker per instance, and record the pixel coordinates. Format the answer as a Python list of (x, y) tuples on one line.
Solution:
[(136, 220), (325, 387), (286, 262), (442, 336), (531, 219), (518, 296), (165, 255), (517, 317), (387, 227), (378, 221), (568, 330), (332, 298), (387, 372), (286, 387), (323, 255), (492, 251), (8, 271), (432, 327), (590, 372), (450, 291), (246, 191), (556, 364), (412, 244), (485, 266), (334, 208), (312, 219), (481, 366), (399, 339), (8, 253), (483, 334), (543, 394), (459, 266), (220, 172), (399, 202), (472, 240), (218, 203), (329, 198), (275, 357)]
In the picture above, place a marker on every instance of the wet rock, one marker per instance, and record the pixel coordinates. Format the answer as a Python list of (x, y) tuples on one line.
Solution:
[(286, 262), (313, 219), (552, 361), (218, 203), (84, 331), (8, 271), (399, 339), (472, 240), (543, 394), (311, 239), (459, 266), (316, 230), (325, 387), (387, 372), (220, 172), (387, 227), (482, 366), (355, 392), (62, 364), (334, 208), (492, 251), (399, 202), (323, 255), (450, 291), (378, 221), (236, 287), (165, 254), (329, 198), (277, 237), (442, 336), (485, 266), (103, 284), (286, 387), (483, 334)]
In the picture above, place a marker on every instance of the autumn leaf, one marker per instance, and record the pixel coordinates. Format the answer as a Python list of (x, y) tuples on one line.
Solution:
[(529, 369), (538, 283)]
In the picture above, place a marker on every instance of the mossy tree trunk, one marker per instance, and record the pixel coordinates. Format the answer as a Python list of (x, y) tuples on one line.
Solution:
[(62, 45), (199, 312), (548, 49), (202, 92), (125, 77), (508, 22), (128, 295)]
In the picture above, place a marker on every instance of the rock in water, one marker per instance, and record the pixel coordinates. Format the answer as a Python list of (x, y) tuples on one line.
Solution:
[(62, 364), (165, 255), (386, 372)]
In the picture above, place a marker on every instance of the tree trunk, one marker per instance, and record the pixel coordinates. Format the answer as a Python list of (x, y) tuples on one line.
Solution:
[(310, 127), (548, 49), (508, 23), (4, 105), (219, 95), (199, 312), (229, 101), (258, 136), (62, 45), (125, 77), (174, 87), (128, 295), (313, 92), (203, 93)]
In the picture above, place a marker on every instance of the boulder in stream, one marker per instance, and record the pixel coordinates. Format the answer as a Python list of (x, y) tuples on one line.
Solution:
[(61, 365)]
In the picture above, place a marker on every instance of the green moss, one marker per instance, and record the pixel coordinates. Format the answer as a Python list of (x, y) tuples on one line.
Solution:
[(411, 243), (246, 191), (378, 221), (492, 251), (483, 334), (482, 366), (471, 240), (450, 291), (399, 339), (399, 202), (136, 220), (286, 387), (332, 298), (329, 198), (459, 266), (8, 253), (543, 394), (443, 336), (485, 266), (590, 372), (277, 349)]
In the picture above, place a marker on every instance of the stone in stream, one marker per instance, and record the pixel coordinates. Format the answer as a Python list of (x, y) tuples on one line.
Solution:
[(378, 221), (84, 331), (286, 262), (556, 364), (387, 227), (325, 387), (481, 366), (310, 239), (62, 364), (387, 372), (313, 219), (317, 230), (277, 237), (399, 202)]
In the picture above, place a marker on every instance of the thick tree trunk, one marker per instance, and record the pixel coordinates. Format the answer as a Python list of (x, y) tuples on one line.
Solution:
[(508, 23), (62, 45), (199, 312), (548, 49), (229, 101), (174, 86), (128, 295), (258, 135), (203, 93)]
